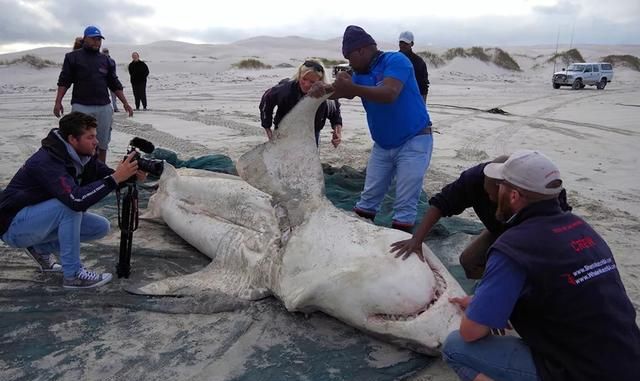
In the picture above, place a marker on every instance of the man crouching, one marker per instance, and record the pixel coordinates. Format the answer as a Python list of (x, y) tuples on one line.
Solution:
[(44, 207)]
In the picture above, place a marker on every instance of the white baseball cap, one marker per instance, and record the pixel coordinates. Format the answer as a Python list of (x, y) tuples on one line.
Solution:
[(406, 37), (529, 170)]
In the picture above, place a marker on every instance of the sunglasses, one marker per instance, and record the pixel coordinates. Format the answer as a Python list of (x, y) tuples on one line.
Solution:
[(314, 65)]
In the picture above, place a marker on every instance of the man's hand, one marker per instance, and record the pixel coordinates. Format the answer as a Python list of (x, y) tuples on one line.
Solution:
[(128, 109), (141, 176), (344, 86), (269, 133), (58, 110), (336, 136), (127, 168), (463, 303), (407, 247)]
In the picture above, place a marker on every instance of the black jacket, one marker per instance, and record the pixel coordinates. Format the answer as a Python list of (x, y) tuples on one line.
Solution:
[(92, 75), (468, 192), (51, 173), (285, 95), (138, 71), (420, 69)]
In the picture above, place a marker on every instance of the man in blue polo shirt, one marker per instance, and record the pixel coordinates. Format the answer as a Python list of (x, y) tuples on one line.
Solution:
[(555, 281), (92, 75), (398, 122)]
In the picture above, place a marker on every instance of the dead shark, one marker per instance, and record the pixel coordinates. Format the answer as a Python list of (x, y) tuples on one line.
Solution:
[(272, 231)]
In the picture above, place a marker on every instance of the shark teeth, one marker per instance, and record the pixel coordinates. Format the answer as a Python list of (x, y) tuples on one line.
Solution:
[(440, 286)]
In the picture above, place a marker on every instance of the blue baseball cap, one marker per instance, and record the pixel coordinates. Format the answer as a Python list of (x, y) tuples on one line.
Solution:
[(92, 31)]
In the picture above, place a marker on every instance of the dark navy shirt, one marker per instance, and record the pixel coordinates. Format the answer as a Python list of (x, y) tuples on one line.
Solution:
[(92, 75), (468, 192)]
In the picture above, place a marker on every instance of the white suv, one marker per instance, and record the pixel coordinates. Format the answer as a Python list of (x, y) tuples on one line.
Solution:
[(578, 75)]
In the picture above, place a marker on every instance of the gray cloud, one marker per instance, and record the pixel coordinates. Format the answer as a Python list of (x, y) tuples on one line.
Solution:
[(67, 19), (123, 22)]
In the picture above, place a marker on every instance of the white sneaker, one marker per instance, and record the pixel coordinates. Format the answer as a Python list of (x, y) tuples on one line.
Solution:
[(86, 279), (46, 262)]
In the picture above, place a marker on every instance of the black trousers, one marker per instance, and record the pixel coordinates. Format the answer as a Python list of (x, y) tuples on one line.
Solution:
[(140, 93)]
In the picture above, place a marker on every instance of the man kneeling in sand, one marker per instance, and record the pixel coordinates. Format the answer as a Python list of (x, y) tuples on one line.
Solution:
[(471, 190), (555, 281), (43, 209)]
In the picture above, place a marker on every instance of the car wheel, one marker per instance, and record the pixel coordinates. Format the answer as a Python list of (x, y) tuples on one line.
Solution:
[(602, 84), (577, 84), (556, 86)]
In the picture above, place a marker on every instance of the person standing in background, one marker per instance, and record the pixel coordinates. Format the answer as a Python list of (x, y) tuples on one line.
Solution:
[(114, 99), (405, 43), (92, 75), (139, 71)]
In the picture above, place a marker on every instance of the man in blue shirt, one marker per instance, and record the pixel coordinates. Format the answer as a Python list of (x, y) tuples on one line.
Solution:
[(552, 278), (398, 122)]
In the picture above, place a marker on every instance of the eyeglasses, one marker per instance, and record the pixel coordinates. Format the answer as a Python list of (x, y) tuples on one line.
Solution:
[(314, 65)]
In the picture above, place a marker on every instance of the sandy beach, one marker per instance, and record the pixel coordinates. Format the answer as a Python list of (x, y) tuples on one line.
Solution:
[(199, 104)]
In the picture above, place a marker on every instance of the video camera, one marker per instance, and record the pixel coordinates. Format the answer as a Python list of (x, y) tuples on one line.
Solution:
[(342, 67), (151, 166), (128, 220)]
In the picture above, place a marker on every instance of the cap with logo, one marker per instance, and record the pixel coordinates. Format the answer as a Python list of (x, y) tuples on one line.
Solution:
[(92, 31), (406, 37), (529, 170)]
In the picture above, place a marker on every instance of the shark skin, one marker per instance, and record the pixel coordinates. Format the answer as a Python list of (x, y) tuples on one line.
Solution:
[(272, 231)]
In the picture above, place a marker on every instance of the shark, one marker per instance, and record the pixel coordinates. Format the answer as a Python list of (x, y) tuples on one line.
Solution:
[(271, 231)]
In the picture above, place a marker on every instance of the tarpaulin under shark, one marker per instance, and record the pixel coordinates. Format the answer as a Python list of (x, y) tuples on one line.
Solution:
[(49, 333)]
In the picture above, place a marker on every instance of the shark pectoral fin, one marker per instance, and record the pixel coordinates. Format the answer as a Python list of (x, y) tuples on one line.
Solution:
[(208, 280)]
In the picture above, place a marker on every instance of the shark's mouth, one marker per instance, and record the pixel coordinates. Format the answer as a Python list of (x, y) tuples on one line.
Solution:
[(438, 292)]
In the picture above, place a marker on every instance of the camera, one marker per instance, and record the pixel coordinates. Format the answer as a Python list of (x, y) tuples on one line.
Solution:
[(151, 166), (342, 67)]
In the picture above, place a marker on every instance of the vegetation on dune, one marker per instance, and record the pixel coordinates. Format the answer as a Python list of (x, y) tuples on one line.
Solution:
[(496, 56), (453, 53), (567, 57), (30, 59), (504, 60), (251, 63), (479, 53), (433, 60), (284, 65), (329, 63), (628, 60)]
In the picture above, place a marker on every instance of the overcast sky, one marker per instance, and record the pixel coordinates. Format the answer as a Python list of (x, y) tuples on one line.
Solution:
[(31, 23)]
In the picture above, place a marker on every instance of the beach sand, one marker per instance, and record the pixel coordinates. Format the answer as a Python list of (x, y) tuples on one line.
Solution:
[(199, 105)]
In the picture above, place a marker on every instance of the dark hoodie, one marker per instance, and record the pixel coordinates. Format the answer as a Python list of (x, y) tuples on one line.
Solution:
[(52, 172)]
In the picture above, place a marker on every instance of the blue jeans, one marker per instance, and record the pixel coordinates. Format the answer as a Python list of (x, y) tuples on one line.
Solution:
[(408, 164), (52, 227), (504, 358)]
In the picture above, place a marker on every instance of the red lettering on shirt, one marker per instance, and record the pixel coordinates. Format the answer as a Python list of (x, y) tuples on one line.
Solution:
[(562, 229), (582, 244)]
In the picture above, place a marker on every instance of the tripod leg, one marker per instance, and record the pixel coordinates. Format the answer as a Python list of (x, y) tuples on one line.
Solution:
[(126, 235)]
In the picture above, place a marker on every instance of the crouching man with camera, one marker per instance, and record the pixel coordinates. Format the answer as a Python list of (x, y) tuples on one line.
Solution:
[(44, 207)]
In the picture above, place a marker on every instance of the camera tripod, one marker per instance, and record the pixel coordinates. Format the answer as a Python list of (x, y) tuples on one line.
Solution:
[(128, 223)]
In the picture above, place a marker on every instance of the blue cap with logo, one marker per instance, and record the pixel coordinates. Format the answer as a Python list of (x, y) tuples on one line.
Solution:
[(92, 31)]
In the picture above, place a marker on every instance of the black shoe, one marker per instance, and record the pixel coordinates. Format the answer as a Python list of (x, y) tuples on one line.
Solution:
[(364, 213), (402, 226)]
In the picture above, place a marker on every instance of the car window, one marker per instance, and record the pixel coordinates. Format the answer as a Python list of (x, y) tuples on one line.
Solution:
[(606, 66), (595, 68), (587, 69), (574, 67)]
